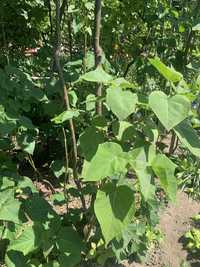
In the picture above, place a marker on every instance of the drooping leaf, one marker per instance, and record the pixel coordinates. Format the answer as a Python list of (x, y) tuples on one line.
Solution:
[(58, 168), (26, 140), (9, 206), (169, 110), (122, 103), (98, 75), (164, 169), (122, 83), (114, 207), (139, 162), (188, 137), (15, 259), (169, 73), (108, 161), (64, 116)]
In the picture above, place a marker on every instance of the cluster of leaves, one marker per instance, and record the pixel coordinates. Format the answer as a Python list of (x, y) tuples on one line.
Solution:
[(125, 208)]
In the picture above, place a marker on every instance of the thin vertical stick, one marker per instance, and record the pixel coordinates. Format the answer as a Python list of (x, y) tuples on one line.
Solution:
[(66, 99), (98, 51)]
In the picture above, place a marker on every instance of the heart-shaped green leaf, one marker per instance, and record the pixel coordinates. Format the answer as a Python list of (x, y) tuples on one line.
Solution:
[(122, 103), (114, 208), (169, 110)]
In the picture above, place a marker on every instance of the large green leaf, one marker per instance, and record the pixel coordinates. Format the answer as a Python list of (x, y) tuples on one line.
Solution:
[(169, 73), (114, 207), (27, 241), (64, 116), (122, 103), (108, 161), (169, 110), (70, 246), (188, 137), (164, 168), (9, 206), (98, 75)]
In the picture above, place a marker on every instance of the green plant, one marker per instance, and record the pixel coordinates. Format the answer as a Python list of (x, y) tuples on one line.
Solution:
[(108, 160), (193, 237), (189, 175)]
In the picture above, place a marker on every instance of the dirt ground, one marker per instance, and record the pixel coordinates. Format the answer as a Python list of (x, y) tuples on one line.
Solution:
[(175, 221)]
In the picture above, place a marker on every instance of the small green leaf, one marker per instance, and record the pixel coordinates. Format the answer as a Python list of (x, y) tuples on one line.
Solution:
[(122, 83), (122, 103), (98, 75), (114, 207), (169, 110), (90, 102), (164, 168), (123, 130), (58, 168), (64, 116), (188, 137), (196, 27), (109, 160), (169, 73), (26, 140)]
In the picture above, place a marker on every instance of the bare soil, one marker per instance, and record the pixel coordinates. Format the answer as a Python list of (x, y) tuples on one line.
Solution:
[(174, 222)]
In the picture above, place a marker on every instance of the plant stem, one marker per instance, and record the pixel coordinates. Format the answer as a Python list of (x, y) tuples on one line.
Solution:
[(172, 143), (50, 16), (66, 165), (98, 51), (66, 100)]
